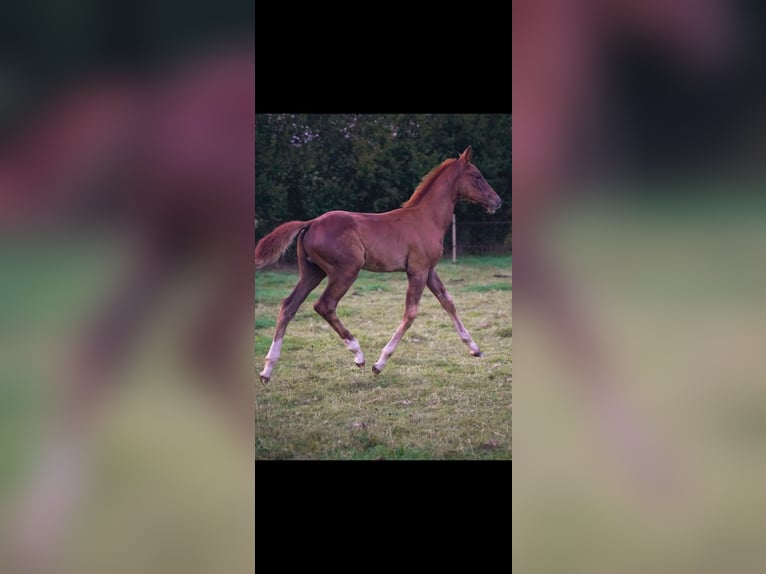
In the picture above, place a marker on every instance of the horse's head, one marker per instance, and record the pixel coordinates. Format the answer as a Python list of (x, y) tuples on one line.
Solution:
[(472, 186)]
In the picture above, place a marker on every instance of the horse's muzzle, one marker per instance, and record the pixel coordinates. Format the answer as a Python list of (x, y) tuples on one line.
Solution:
[(494, 207)]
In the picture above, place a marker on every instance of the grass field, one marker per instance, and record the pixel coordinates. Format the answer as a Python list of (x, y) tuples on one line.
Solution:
[(432, 401), (675, 291), (164, 482)]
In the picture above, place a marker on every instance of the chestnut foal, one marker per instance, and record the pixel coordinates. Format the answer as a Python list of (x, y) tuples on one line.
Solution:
[(339, 244)]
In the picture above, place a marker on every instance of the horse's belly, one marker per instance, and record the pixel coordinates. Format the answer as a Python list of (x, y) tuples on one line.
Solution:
[(383, 264)]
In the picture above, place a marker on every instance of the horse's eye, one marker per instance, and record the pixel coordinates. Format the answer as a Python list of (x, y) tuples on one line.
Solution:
[(478, 176)]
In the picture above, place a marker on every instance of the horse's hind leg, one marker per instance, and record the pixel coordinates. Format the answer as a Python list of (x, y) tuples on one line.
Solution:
[(310, 277), (438, 289), (337, 286)]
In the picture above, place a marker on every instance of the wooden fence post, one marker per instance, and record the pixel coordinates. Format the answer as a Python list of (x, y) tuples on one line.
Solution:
[(454, 240)]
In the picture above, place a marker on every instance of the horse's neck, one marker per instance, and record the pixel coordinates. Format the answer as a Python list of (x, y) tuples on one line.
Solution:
[(439, 204)]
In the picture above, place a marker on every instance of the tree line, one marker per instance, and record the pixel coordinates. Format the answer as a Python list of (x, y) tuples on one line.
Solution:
[(307, 164)]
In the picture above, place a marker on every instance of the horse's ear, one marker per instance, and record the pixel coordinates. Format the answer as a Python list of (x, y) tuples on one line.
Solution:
[(465, 157)]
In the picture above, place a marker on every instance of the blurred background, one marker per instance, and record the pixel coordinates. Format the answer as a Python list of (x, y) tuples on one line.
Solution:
[(126, 184), (639, 428), (640, 232)]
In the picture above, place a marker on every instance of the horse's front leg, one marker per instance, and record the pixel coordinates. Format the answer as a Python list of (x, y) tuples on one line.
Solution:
[(437, 288), (417, 281)]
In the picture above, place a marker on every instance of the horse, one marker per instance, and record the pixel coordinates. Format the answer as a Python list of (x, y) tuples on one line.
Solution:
[(166, 164), (339, 244), (560, 89), (166, 160)]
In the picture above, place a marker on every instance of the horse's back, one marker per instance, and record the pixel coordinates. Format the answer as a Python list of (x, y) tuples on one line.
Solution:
[(356, 240), (335, 224)]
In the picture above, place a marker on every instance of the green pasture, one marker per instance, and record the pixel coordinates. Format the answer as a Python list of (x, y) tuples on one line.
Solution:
[(433, 400)]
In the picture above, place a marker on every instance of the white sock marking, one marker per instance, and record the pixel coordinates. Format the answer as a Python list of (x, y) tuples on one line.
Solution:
[(353, 346), (271, 358)]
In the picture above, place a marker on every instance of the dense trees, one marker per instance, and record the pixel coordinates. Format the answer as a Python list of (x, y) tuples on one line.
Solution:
[(307, 164)]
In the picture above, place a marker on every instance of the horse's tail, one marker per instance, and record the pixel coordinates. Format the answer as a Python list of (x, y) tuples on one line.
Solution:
[(273, 246)]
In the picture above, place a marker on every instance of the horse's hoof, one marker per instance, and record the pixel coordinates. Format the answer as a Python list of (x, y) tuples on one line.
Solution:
[(376, 370), (264, 380), (477, 354), (360, 365)]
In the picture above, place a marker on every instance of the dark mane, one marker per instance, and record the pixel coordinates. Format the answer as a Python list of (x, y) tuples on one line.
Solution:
[(426, 182)]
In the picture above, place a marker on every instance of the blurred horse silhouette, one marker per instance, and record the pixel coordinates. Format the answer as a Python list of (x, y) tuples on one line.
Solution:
[(165, 162), (558, 76)]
